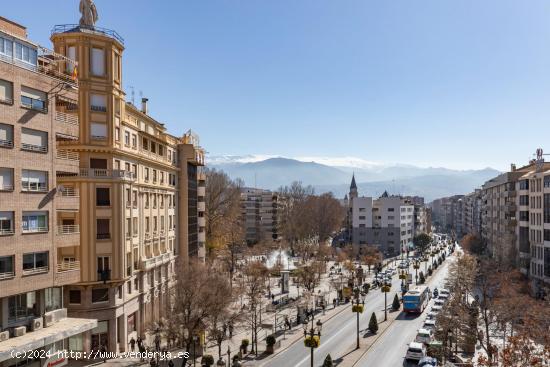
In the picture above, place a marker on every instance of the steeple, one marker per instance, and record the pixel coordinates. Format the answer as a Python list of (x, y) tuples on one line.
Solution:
[(353, 184), (353, 189)]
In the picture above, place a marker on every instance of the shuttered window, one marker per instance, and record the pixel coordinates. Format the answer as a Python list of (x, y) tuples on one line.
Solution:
[(98, 62), (6, 136), (99, 131), (34, 140), (6, 91)]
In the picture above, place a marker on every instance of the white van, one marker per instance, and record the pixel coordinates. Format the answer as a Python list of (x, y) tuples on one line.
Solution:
[(424, 336), (416, 351)]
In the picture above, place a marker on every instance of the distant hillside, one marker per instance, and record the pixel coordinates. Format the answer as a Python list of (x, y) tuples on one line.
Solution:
[(430, 182)]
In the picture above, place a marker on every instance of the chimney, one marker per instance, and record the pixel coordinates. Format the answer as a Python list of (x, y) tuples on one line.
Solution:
[(144, 107), (513, 167)]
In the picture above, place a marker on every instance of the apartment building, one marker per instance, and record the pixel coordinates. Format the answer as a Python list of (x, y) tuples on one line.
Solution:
[(533, 231), (260, 210), (39, 222), (141, 196), (386, 223), (471, 213)]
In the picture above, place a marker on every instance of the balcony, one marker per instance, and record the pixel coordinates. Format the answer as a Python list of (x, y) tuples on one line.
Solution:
[(36, 270), (7, 275), (68, 123), (201, 221), (70, 28), (68, 235), (6, 187), (34, 186), (34, 104), (6, 143), (201, 206), (68, 198), (102, 174), (6, 231), (201, 191), (34, 148), (67, 272), (147, 264)]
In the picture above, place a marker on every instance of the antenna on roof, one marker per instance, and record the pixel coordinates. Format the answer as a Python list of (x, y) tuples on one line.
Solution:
[(133, 94)]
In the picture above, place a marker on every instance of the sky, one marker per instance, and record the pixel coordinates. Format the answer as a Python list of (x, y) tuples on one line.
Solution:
[(454, 83)]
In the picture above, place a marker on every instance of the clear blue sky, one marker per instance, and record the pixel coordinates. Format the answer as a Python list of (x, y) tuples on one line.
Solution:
[(455, 83)]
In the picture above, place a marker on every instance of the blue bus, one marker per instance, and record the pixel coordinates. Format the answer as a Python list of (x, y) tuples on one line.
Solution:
[(416, 300)]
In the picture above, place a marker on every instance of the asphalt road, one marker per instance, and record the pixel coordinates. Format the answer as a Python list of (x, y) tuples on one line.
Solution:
[(339, 333), (391, 348)]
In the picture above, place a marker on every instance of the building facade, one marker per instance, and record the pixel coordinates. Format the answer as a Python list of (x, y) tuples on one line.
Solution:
[(141, 195), (39, 223), (260, 210)]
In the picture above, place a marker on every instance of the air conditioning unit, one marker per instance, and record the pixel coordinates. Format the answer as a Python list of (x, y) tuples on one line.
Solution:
[(37, 324), (5, 335), (48, 319), (19, 331)]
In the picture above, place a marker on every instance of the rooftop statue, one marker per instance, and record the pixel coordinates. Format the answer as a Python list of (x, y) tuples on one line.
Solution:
[(89, 13)]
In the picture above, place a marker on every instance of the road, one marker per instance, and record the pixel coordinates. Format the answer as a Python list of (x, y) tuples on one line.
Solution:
[(390, 349), (339, 333)]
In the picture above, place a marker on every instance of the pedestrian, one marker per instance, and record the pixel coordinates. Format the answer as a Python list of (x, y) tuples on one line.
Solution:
[(152, 362), (224, 329), (230, 329), (334, 302), (139, 342), (141, 352), (170, 363), (132, 344), (157, 343)]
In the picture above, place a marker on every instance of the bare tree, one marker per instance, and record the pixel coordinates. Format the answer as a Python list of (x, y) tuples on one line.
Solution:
[(254, 287), (294, 222), (222, 204)]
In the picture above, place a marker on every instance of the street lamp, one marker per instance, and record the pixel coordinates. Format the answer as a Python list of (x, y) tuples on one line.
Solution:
[(312, 338), (358, 308), (386, 288), (228, 355), (416, 266)]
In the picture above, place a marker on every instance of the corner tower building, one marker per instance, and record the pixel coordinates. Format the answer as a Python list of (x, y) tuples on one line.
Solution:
[(140, 203)]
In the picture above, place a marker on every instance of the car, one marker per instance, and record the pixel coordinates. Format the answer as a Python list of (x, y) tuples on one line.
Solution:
[(439, 302), (428, 362), (431, 315), (443, 296), (424, 336), (429, 324), (436, 308), (445, 291), (416, 351)]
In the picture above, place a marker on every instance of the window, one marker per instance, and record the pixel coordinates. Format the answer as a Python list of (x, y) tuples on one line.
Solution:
[(524, 200), (7, 267), (98, 131), (162, 223), (6, 91), (6, 47), (161, 150), (134, 141), (6, 136), (147, 226), (145, 144), (134, 198), (146, 174), (127, 138), (6, 179), (53, 298), (128, 197), (35, 222), (34, 99), (524, 185), (116, 66), (34, 140), (155, 224), (26, 54), (154, 175), (135, 226), (74, 297), (117, 134), (98, 62), (103, 231), (34, 180), (98, 102), (6, 223), (128, 225), (153, 147), (71, 54), (103, 263), (546, 208), (100, 295), (161, 177), (36, 262), (391, 209), (98, 163), (22, 306), (102, 196)]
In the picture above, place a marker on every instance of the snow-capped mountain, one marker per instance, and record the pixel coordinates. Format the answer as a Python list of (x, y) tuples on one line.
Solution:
[(334, 174)]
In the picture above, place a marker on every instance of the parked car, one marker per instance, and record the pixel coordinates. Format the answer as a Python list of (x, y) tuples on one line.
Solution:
[(424, 336), (429, 324), (428, 362), (439, 302), (416, 351), (443, 296), (436, 309), (444, 292)]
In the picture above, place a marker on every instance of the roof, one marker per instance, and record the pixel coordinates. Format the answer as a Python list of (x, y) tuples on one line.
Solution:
[(353, 184), (416, 345)]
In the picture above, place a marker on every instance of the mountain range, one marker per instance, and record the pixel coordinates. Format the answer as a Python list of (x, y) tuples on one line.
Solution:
[(334, 175)]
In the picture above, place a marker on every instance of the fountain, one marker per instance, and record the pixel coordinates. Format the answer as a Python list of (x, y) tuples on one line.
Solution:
[(282, 260)]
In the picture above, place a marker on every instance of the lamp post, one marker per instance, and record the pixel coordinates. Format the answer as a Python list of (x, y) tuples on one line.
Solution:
[(312, 338), (358, 308), (195, 340), (386, 288), (416, 267), (228, 355)]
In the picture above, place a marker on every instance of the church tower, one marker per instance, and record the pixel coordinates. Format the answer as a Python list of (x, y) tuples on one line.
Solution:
[(353, 189)]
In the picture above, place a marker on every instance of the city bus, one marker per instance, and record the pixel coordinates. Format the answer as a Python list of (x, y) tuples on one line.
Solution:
[(416, 299)]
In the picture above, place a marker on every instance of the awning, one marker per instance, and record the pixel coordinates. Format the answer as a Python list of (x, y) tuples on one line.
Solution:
[(37, 339)]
